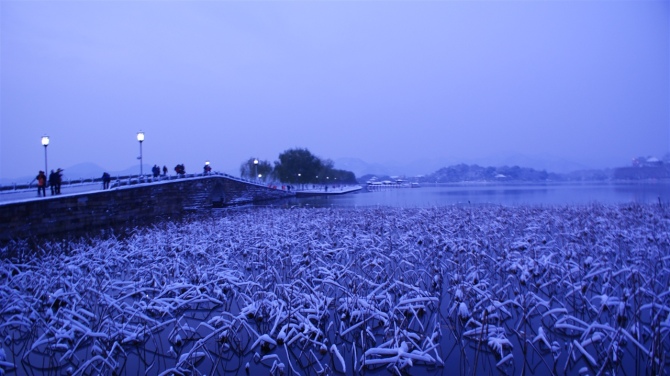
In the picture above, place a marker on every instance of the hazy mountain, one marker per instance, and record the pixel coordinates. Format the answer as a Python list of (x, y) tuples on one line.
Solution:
[(359, 167), (538, 162), (85, 170), (429, 166), (92, 170)]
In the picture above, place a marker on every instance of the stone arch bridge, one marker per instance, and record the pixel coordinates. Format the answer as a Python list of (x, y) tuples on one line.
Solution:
[(124, 204)]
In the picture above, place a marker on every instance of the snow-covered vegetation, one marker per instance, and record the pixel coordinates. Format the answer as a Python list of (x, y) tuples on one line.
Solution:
[(484, 290)]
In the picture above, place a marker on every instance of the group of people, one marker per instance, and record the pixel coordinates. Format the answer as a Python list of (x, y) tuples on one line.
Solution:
[(56, 177), (156, 171), (54, 181)]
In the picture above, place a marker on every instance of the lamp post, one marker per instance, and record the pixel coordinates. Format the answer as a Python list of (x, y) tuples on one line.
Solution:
[(140, 138), (256, 167), (45, 143)]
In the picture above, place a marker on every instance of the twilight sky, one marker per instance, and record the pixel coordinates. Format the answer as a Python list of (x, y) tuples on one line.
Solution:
[(588, 81)]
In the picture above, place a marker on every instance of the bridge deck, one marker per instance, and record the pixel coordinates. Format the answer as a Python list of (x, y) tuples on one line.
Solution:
[(95, 185)]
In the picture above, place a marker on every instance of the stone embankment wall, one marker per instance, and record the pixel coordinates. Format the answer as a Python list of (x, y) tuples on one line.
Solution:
[(77, 212)]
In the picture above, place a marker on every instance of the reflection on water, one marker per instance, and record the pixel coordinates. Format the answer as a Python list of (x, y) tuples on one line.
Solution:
[(498, 194)]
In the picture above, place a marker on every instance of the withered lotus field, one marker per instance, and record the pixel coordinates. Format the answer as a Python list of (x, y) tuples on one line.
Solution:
[(468, 290)]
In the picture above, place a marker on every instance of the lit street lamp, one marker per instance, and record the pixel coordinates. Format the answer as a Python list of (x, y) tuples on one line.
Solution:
[(45, 143), (140, 138), (256, 167)]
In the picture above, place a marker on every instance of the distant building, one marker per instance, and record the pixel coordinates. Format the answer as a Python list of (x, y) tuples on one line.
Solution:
[(653, 161), (647, 162)]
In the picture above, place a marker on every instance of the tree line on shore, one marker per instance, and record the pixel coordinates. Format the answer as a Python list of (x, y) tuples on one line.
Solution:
[(300, 166), (296, 166)]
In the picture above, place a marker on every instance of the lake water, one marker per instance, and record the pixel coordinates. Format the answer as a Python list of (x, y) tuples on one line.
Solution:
[(498, 194)]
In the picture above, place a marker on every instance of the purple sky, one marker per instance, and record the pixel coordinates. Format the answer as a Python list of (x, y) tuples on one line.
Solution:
[(588, 81)]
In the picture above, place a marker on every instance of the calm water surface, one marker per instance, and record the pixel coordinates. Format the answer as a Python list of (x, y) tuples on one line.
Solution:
[(499, 194)]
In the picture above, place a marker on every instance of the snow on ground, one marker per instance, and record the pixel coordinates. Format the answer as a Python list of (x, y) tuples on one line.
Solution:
[(483, 290)]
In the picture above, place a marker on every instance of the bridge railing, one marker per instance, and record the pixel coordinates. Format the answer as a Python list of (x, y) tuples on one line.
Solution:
[(123, 180)]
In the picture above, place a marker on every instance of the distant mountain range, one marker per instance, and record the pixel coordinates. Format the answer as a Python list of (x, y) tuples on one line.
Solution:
[(83, 170), (429, 166), (419, 167)]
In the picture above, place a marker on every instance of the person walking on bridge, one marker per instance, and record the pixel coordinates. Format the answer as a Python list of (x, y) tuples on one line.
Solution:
[(59, 180), (41, 184), (53, 181), (106, 178)]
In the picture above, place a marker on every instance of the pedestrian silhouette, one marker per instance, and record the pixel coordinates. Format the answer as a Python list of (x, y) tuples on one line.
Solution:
[(59, 180), (53, 182), (41, 184), (105, 180)]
